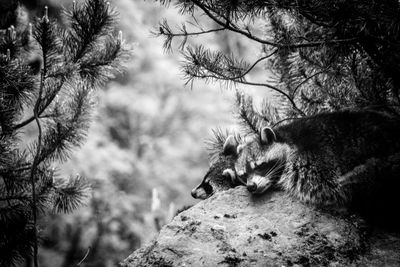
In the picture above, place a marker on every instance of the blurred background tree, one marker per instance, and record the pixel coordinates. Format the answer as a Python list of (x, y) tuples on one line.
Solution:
[(53, 98), (323, 55)]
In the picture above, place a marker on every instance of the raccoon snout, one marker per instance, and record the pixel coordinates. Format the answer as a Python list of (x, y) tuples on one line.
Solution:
[(252, 187)]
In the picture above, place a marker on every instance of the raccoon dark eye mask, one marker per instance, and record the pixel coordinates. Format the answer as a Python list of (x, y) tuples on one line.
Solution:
[(265, 167)]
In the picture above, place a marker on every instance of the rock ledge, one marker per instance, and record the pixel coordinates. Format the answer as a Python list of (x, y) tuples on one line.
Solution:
[(233, 228)]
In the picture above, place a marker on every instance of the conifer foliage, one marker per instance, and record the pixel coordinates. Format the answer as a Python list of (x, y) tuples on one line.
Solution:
[(56, 104), (323, 55)]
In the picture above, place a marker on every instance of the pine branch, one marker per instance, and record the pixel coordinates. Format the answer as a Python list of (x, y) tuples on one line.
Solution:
[(313, 40), (165, 31), (269, 112), (209, 12), (61, 101), (101, 65), (202, 64), (84, 32), (16, 233), (89, 38), (70, 195), (66, 131), (250, 120), (54, 88), (45, 36), (305, 81), (8, 198), (17, 85)]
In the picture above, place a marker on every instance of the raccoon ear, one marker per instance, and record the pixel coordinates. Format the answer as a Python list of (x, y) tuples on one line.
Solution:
[(230, 146), (267, 136), (229, 173)]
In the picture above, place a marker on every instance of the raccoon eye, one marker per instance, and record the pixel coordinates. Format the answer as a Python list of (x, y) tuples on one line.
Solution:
[(250, 166), (259, 162), (266, 166), (207, 187), (261, 166)]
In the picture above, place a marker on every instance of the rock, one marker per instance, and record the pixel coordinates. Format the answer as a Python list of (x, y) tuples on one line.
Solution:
[(234, 228)]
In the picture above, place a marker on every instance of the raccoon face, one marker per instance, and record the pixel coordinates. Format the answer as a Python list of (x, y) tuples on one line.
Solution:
[(213, 181), (265, 174), (220, 176), (205, 189), (261, 161)]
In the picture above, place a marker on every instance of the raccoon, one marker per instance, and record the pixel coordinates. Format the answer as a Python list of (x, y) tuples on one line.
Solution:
[(219, 177), (330, 158)]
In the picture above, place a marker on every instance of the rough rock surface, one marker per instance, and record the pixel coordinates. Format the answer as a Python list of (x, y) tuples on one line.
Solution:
[(233, 228)]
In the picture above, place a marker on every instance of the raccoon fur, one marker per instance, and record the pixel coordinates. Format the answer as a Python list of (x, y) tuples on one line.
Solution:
[(330, 158), (219, 176)]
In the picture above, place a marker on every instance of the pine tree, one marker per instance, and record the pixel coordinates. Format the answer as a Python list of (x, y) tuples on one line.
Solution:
[(57, 102), (324, 55)]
